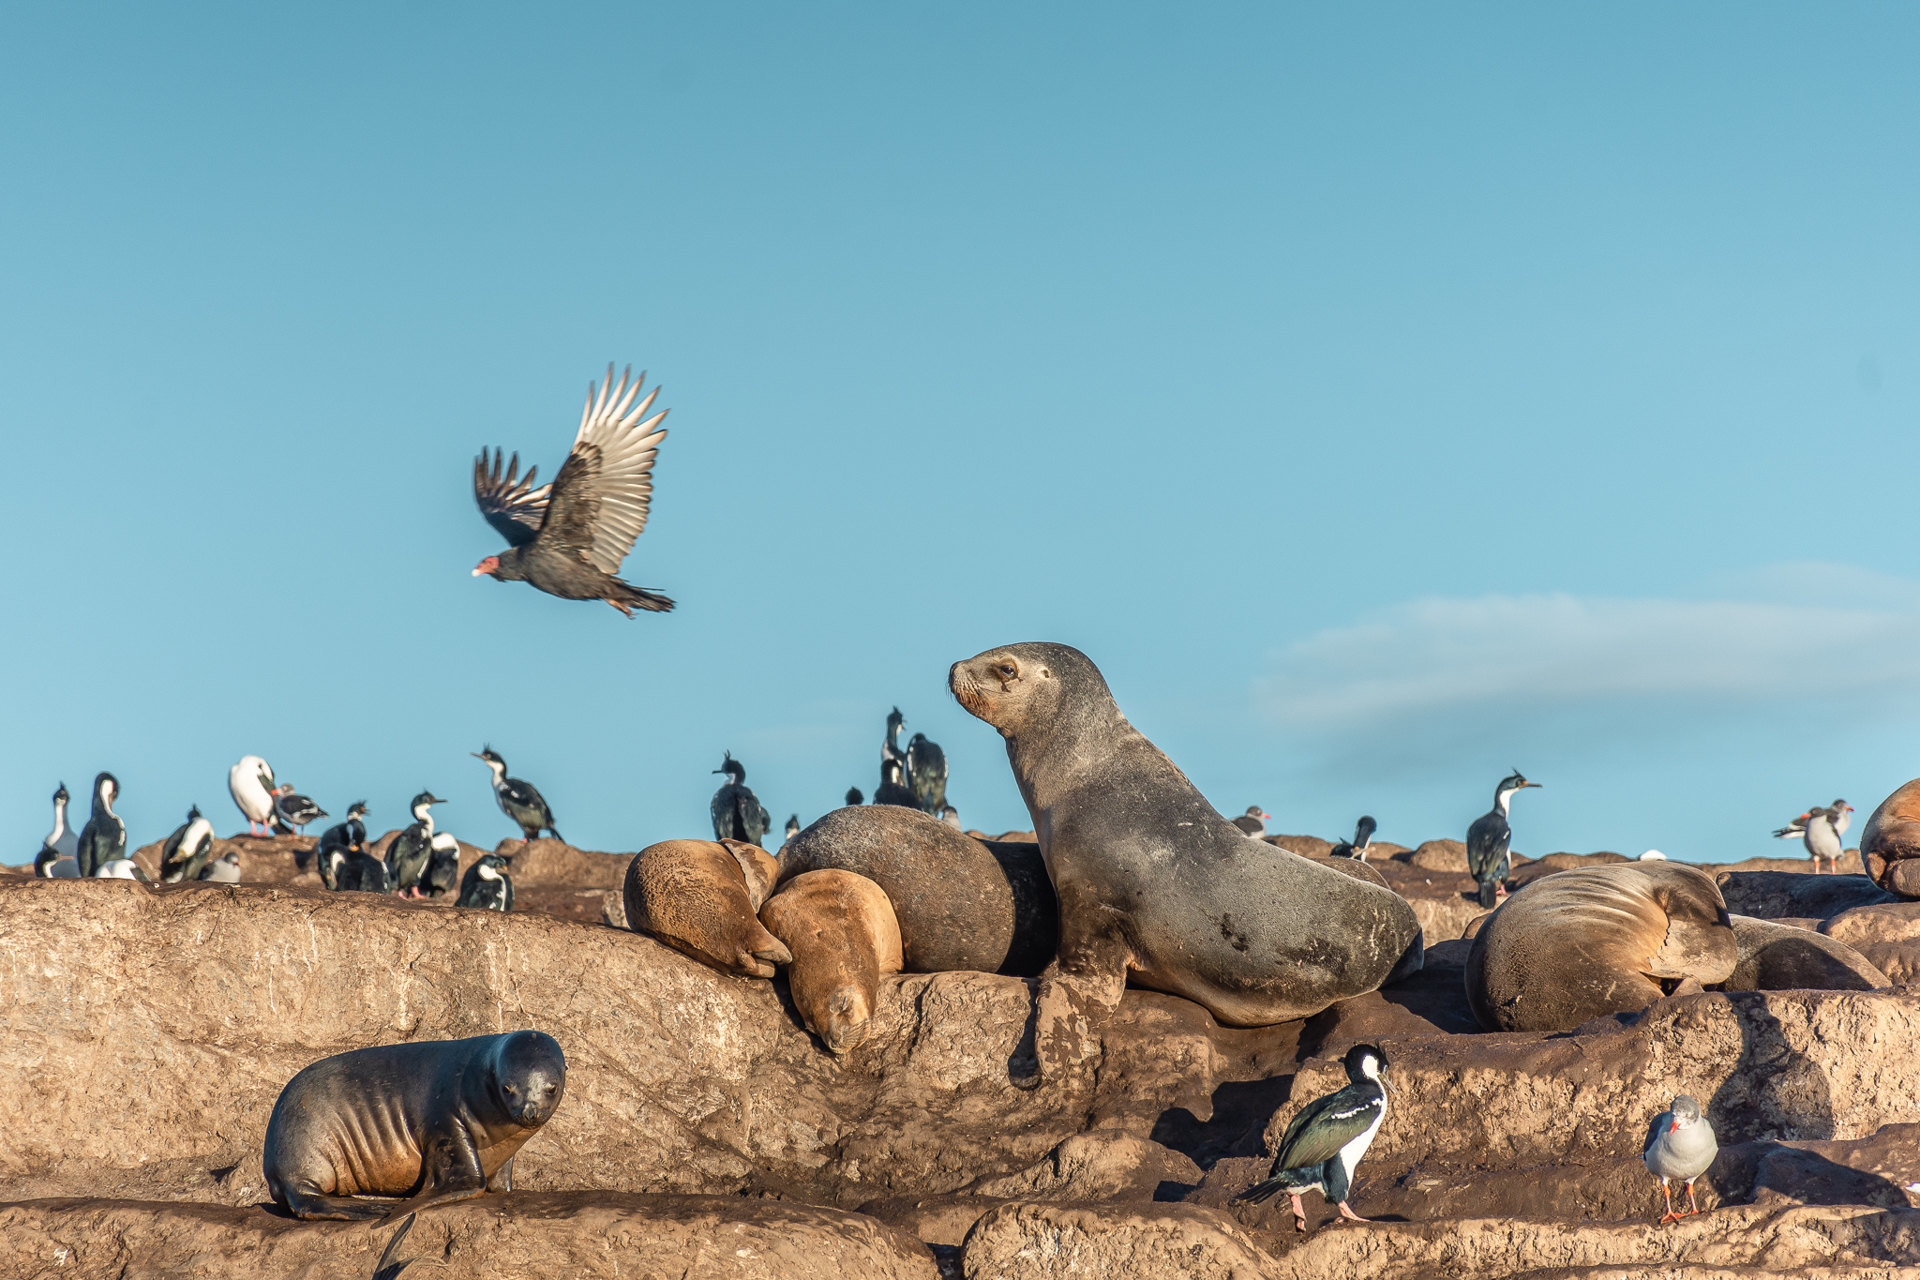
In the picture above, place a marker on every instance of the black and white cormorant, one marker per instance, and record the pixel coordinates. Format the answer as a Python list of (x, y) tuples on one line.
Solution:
[(854, 797), (104, 838), (188, 850), (292, 811), (487, 884), (442, 875), (793, 828), (1487, 840), (737, 812), (1253, 821), (1324, 1143), (1680, 1145), (927, 773), (890, 745), (1358, 846), (56, 860), (346, 837), (356, 870), (410, 851), (518, 799), (893, 788)]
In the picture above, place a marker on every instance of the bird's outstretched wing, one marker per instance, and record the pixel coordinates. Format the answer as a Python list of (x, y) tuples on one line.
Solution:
[(600, 498), (510, 503)]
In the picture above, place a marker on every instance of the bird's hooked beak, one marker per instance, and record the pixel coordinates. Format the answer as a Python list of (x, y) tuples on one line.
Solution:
[(1525, 785), (486, 566)]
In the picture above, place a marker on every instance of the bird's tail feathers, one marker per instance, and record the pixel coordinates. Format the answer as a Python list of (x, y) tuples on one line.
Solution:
[(1260, 1192), (639, 598), (1489, 891)]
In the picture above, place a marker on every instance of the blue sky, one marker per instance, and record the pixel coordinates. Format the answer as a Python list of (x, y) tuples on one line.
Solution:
[(1383, 396)]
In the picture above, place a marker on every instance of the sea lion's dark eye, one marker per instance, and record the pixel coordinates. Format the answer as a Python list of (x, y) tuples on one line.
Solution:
[(1006, 671)]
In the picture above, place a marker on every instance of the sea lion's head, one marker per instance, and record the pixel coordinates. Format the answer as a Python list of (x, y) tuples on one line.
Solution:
[(529, 1075), (843, 1021), (1022, 688)]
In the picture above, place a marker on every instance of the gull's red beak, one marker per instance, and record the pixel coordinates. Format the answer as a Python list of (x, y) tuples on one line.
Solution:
[(1674, 1127)]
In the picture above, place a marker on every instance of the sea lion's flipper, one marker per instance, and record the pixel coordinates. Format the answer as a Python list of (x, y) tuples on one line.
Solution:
[(387, 1268), (452, 1171), (1077, 991), (502, 1179), (306, 1202)]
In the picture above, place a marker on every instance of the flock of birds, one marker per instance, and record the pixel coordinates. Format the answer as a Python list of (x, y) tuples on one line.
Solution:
[(422, 861)]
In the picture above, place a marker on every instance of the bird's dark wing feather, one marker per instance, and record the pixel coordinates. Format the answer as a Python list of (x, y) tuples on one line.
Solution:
[(1486, 842), (523, 793), (1326, 1125), (510, 503), (601, 496)]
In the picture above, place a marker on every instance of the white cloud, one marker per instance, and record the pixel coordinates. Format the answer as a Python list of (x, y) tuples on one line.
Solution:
[(1797, 633)]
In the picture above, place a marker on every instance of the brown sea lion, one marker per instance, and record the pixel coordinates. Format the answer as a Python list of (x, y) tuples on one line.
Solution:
[(1890, 846), (961, 903), (703, 897), (436, 1121), (1782, 957), (1154, 884), (844, 938), (1597, 940)]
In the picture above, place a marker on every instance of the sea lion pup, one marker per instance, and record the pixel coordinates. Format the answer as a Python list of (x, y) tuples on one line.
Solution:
[(841, 931), (437, 1121), (1153, 883), (1580, 944), (961, 903), (702, 897)]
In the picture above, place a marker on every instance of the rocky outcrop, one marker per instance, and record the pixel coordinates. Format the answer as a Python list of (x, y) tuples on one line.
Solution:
[(580, 1237)]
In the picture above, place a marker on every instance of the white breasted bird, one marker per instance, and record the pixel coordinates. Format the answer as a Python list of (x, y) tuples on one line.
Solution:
[(1361, 842), (412, 849), (250, 783), (1680, 1146), (188, 850), (1325, 1142), (1489, 839), (1253, 821), (1819, 830), (519, 800), (56, 861)]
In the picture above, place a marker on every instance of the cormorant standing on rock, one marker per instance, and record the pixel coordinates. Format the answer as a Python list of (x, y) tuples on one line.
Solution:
[(1324, 1143), (854, 797), (793, 828), (487, 884), (104, 838), (569, 537), (927, 773), (63, 839), (737, 812), (357, 870), (407, 856), (443, 865), (250, 783), (1487, 840), (1358, 846), (890, 745), (1253, 821), (188, 850), (347, 837), (1680, 1145), (520, 801), (893, 788)]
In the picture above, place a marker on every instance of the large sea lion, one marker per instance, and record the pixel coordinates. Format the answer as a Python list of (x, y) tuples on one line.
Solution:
[(961, 903), (844, 938), (1153, 883), (1890, 846), (703, 897), (1597, 940), (437, 1121)]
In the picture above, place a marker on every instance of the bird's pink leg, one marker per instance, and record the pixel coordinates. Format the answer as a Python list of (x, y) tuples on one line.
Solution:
[(622, 608), (1350, 1215), (1692, 1207), (1299, 1213), (1667, 1191)]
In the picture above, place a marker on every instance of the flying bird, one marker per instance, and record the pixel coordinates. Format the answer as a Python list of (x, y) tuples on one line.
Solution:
[(568, 538)]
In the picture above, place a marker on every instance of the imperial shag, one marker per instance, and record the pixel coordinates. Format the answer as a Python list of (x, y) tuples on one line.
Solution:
[(487, 884), (1324, 1143), (1487, 840), (1358, 846), (519, 800), (927, 773), (893, 788), (104, 838), (737, 812), (345, 838), (188, 850), (56, 860), (410, 851)]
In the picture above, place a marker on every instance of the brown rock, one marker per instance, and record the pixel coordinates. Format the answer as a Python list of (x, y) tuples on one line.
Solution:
[(1306, 846), (1090, 1242), (578, 1236), (1441, 855), (1769, 895), (1779, 957), (1106, 1164), (1888, 935)]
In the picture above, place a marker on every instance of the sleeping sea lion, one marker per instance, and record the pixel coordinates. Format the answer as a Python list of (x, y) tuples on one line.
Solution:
[(843, 936), (702, 897)]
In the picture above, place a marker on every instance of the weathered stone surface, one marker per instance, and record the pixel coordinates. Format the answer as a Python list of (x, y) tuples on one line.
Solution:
[(1887, 934), (1305, 846), (578, 1236), (1440, 855), (1095, 1242), (1106, 1164), (1772, 894), (680, 1078)]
